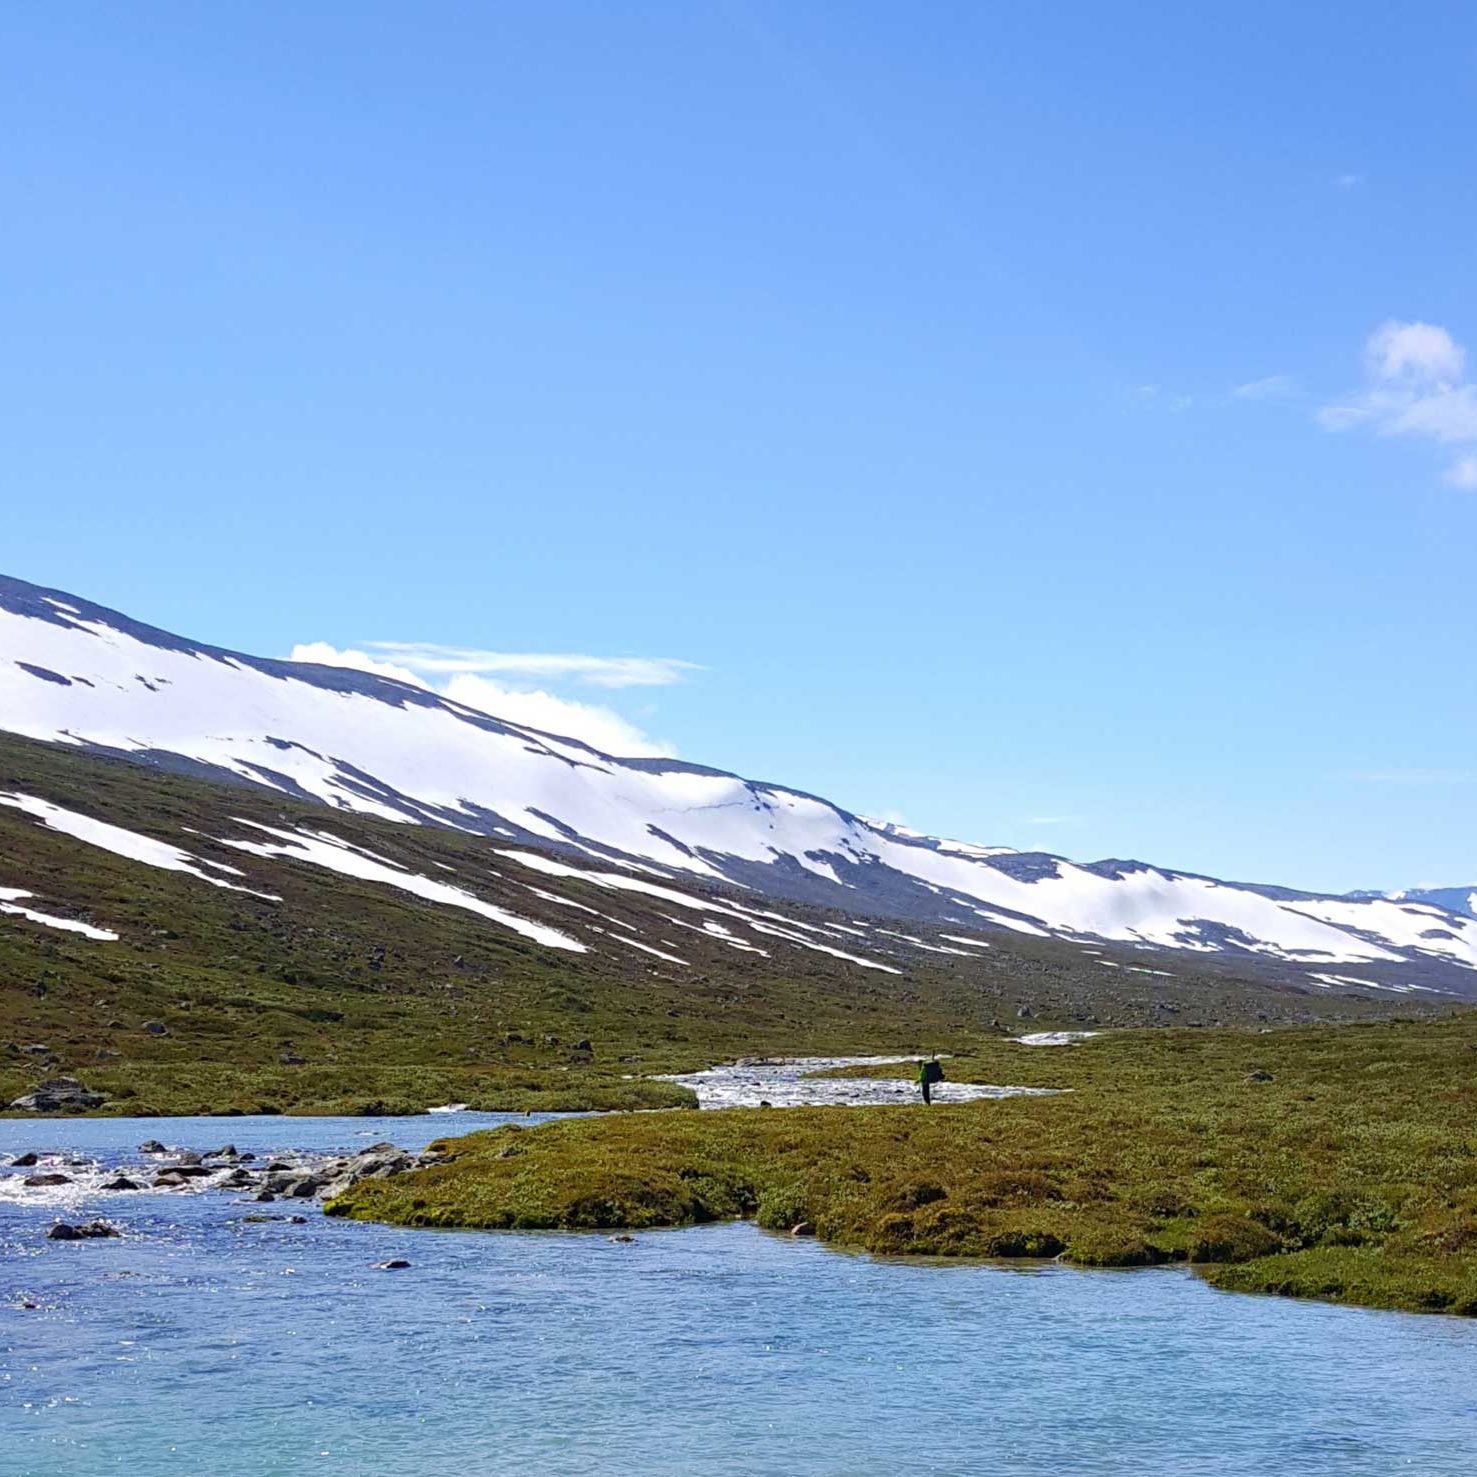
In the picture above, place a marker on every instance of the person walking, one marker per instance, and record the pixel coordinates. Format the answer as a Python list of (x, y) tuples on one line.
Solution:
[(929, 1072)]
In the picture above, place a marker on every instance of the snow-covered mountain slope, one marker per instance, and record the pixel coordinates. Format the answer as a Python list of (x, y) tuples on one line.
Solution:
[(72, 672)]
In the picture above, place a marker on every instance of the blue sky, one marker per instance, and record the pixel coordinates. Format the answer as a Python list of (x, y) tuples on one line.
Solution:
[(887, 364)]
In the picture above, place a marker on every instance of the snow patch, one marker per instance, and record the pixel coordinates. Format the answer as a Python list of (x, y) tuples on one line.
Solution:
[(321, 850), (11, 906), (124, 843), (1053, 1038)]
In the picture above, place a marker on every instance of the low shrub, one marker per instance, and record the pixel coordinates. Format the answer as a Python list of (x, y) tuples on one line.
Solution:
[(1231, 1238)]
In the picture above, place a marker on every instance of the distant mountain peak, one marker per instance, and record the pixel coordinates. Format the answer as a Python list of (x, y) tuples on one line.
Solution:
[(1461, 900)]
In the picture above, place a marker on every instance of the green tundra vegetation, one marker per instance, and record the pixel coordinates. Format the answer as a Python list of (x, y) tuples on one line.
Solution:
[(339, 995), (1335, 1163)]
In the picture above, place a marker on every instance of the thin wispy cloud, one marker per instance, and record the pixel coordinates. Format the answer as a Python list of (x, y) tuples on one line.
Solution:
[(1407, 776), (1273, 387), (594, 671), (1415, 385), (461, 675), (1348, 181), (1160, 398)]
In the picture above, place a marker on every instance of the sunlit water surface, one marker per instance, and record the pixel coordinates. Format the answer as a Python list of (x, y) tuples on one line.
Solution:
[(197, 1344)]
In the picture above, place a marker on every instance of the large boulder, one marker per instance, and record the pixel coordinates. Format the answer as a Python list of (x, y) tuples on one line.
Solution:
[(58, 1095), (378, 1162)]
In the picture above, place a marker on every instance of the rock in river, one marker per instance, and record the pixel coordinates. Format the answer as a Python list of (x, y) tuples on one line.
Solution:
[(88, 1231)]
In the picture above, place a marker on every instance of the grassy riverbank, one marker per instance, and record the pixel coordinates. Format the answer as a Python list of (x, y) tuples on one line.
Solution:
[(1335, 1163)]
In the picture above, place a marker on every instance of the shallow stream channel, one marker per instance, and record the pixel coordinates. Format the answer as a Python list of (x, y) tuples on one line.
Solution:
[(791, 1082), (207, 1338)]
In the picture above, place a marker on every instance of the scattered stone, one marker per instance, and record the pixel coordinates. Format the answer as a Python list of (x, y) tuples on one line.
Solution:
[(229, 1152), (393, 1265), (622, 1239), (1025, 1013), (1258, 1076), (37, 1181), (88, 1231), (290, 1059), (262, 1196), (24, 1161), (764, 1102), (58, 1095), (151, 1146), (583, 1044), (155, 1028), (37, 1050), (106, 1053), (170, 1179), (190, 1157), (122, 1182), (804, 1228)]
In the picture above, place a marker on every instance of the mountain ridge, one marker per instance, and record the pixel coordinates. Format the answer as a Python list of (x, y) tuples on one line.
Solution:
[(1454, 899), (76, 673)]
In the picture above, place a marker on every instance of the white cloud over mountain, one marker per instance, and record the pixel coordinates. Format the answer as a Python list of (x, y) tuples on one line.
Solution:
[(459, 674)]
